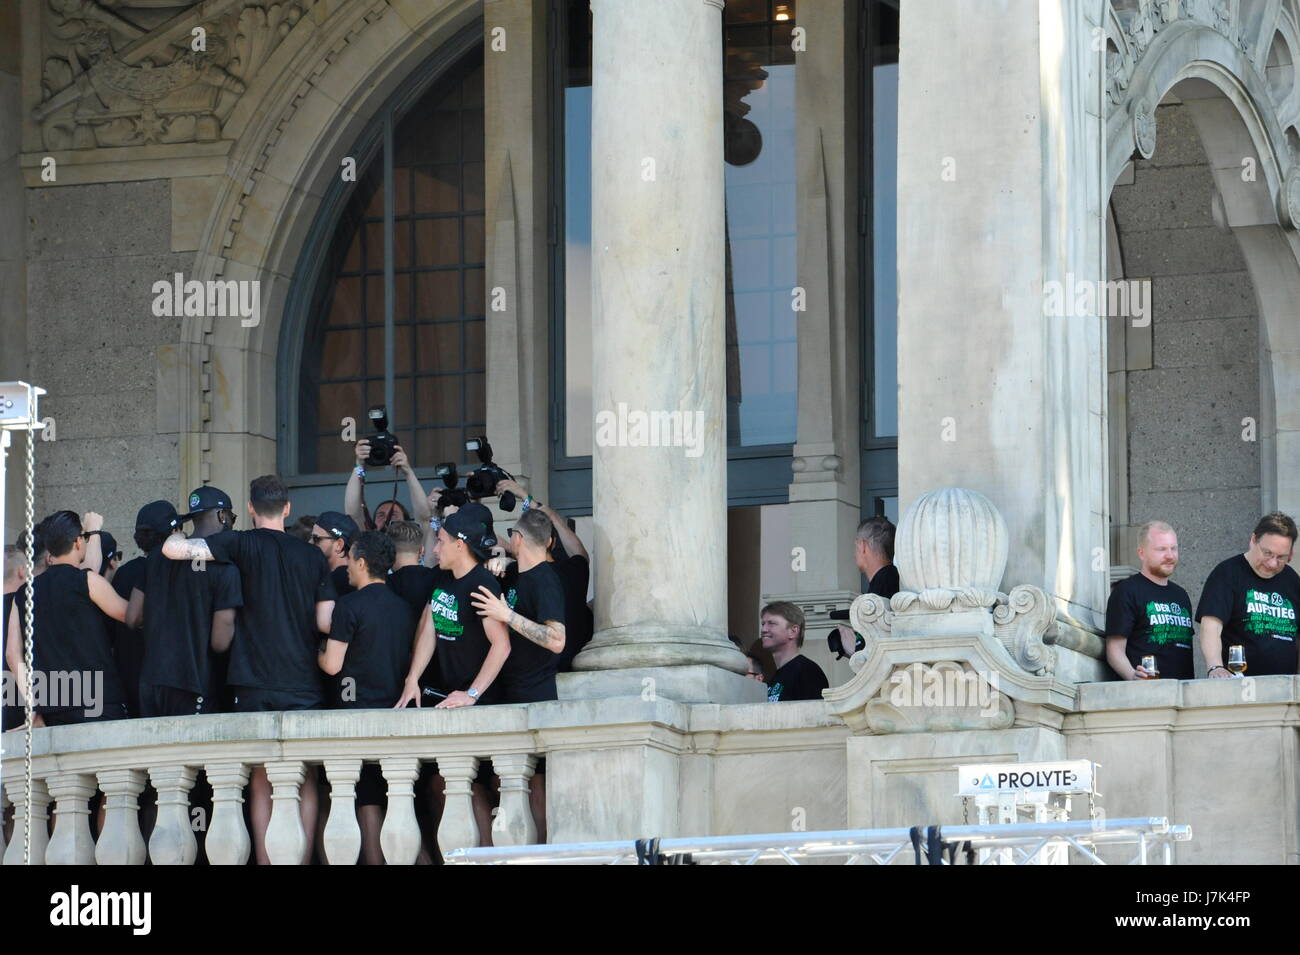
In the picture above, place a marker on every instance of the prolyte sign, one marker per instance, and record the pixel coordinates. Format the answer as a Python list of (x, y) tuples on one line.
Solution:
[(1075, 776)]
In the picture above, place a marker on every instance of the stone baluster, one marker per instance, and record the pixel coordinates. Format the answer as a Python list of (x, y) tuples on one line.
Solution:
[(286, 840), (17, 787), (457, 830), (227, 842), (342, 833), (400, 836), (71, 843), (513, 824), (172, 841), (121, 842)]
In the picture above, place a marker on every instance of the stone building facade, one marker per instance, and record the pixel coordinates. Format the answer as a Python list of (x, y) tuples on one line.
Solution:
[(877, 332)]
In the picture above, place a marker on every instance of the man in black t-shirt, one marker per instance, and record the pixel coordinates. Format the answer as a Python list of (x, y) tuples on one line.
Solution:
[(533, 608), (288, 602), (153, 524), (334, 533), (873, 552), (188, 612), (415, 583), (1150, 615), (1251, 601), (75, 678), (367, 653), (796, 677)]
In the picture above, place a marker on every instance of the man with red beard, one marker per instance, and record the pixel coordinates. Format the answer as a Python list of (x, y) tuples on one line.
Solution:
[(1150, 615)]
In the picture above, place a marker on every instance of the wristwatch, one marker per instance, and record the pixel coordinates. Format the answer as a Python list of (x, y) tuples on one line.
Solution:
[(472, 693)]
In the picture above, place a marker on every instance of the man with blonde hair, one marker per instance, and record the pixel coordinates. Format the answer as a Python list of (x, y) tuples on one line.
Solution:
[(1150, 615), (796, 677)]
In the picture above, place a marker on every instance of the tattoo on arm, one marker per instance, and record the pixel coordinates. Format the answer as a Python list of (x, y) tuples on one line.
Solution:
[(196, 548), (538, 633)]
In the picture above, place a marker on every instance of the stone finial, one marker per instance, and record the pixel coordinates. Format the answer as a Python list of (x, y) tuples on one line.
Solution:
[(951, 539)]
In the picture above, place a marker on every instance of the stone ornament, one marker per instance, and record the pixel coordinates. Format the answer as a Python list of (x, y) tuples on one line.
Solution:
[(1025, 623), (1144, 128), (924, 698), (132, 77), (951, 551), (1289, 198)]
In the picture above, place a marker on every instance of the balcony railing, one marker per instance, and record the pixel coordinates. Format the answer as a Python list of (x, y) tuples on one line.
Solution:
[(118, 758)]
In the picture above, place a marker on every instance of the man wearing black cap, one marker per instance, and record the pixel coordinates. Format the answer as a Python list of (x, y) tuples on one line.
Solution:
[(153, 523), (471, 648), (288, 601), (334, 534), (188, 614)]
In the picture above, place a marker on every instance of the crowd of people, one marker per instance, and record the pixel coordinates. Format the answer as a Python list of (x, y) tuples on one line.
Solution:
[(349, 609)]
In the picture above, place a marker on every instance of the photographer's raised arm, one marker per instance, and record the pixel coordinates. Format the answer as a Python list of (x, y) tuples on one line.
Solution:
[(354, 498), (570, 541), (94, 556), (419, 503)]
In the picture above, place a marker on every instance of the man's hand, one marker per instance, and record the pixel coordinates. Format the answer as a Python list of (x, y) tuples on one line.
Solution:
[(410, 693), (490, 605), (514, 487), (497, 566), (1220, 673), (435, 498), (455, 699), (399, 460), (1140, 673), (362, 451), (848, 639), (90, 521)]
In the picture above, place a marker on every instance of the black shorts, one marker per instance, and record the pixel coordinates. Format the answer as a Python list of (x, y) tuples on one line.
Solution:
[(249, 699), (169, 701), (74, 715), (372, 788)]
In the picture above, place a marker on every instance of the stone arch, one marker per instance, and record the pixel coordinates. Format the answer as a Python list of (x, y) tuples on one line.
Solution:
[(1234, 71), (291, 132)]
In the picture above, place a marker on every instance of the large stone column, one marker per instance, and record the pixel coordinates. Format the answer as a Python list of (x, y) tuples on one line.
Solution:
[(998, 195), (659, 461)]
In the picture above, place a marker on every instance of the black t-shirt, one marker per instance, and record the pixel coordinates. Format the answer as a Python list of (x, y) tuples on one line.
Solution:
[(885, 582), (180, 600), (462, 645), (12, 714), (529, 672), (71, 636), (574, 573), (276, 638), (128, 643), (376, 624), (415, 585), (1258, 613), (799, 679), (339, 578), (1154, 620)]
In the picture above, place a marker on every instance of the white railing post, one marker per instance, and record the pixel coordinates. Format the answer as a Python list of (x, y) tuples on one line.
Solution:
[(286, 840), (342, 833), (121, 842), (400, 836), (228, 842), (514, 825), (71, 843), (172, 841), (17, 787), (458, 829)]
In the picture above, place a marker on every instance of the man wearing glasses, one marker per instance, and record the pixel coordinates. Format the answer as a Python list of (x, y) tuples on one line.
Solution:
[(334, 534), (1250, 600)]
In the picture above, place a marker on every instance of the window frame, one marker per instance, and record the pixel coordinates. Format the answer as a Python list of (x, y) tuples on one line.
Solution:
[(306, 294)]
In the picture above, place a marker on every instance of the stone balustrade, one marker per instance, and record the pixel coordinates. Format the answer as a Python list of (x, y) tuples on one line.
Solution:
[(119, 758)]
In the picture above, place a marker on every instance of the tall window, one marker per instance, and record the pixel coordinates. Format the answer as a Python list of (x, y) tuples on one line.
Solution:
[(437, 374)]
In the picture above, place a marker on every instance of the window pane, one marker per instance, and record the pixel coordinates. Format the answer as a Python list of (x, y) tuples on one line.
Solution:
[(578, 412), (438, 347), (759, 145), (341, 355), (884, 198), (437, 241), (437, 294)]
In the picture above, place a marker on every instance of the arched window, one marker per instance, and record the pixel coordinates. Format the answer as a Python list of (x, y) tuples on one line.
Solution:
[(415, 218)]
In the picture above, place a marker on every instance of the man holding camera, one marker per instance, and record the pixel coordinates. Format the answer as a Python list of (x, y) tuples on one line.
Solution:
[(378, 451), (188, 614), (288, 603)]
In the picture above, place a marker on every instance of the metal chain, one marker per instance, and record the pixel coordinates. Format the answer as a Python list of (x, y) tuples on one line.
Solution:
[(30, 623)]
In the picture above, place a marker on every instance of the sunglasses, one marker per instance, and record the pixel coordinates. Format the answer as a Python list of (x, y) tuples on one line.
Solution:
[(317, 538)]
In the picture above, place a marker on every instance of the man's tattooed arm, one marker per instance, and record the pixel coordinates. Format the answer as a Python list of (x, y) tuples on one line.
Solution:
[(549, 635), (186, 548)]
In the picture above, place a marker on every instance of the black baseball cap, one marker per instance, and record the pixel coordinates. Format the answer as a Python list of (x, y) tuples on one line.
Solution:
[(108, 550), (340, 526), (207, 498), (472, 523), (157, 516)]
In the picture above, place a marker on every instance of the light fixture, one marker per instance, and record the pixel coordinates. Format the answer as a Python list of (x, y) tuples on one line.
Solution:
[(782, 12)]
